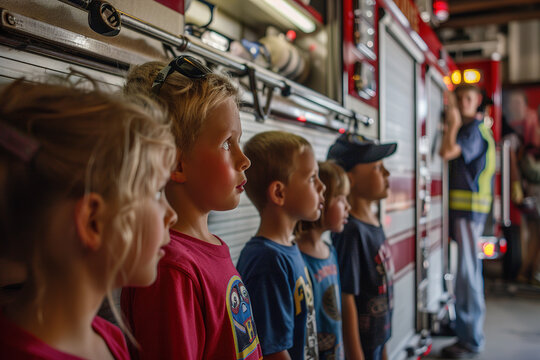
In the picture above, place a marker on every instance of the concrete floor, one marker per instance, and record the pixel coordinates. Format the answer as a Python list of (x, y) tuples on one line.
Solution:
[(512, 326)]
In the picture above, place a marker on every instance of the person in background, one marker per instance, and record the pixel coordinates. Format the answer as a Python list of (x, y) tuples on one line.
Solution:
[(470, 147), (518, 129), (321, 259), (284, 186), (512, 232), (83, 209), (365, 262), (522, 119), (199, 307), (525, 171)]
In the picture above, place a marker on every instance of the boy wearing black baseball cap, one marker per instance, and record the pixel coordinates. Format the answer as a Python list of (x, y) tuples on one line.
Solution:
[(363, 256)]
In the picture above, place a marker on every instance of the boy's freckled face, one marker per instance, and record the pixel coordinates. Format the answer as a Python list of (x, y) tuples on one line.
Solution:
[(304, 192), (369, 181), (216, 165)]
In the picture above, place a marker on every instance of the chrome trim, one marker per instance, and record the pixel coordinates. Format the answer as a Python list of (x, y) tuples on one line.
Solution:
[(24, 25)]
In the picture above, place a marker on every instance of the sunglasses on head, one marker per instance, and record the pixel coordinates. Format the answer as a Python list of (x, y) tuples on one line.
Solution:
[(185, 65)]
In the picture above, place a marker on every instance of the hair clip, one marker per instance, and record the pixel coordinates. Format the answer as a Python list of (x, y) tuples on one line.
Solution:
[(17, 143)]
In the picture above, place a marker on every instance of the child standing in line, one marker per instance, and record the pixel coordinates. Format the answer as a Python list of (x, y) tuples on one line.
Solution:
[(284, 186), (199, 307), (83, 208), (321, 259), (363, 255)]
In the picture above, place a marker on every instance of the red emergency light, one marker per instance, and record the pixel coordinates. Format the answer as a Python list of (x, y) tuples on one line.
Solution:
[(503, 246), (440, 10)]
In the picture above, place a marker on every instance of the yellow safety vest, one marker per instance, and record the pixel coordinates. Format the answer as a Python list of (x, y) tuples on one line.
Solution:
[(478, 201)]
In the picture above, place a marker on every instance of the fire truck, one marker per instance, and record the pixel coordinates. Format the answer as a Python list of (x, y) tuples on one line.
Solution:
[(314, 68)]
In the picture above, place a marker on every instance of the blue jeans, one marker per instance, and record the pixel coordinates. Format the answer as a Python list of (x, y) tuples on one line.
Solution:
[(470, 305), (374, 354)]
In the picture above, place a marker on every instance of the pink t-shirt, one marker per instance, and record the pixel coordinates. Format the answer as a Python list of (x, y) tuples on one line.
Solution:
[(198, 308), (16, 343)]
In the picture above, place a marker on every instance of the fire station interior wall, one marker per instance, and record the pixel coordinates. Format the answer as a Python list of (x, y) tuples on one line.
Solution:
[(524, 51)]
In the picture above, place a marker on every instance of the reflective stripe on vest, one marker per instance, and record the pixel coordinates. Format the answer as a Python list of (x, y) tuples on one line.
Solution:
[(470, 201), (480, 201)]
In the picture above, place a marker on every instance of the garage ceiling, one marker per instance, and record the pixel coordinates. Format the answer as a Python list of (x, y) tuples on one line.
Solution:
[(465, 13)]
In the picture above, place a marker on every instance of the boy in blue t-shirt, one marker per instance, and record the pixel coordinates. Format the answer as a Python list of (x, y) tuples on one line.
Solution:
[(284, 186), (321, 260), (364, 258)]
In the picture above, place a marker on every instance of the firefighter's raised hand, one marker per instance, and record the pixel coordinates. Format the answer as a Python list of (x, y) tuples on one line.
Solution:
[(452, 122), (452, 117)]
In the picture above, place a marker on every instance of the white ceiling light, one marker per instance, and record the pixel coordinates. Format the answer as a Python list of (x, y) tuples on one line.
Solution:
[(292, 14)]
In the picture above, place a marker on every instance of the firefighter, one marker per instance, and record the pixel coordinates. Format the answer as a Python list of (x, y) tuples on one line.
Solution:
[(470, 147)]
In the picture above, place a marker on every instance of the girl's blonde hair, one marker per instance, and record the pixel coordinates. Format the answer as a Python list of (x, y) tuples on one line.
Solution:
[(337, 183), (189, 101), (87, 142)]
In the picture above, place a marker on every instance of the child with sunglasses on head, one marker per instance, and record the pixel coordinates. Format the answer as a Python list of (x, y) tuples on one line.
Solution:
[(321, 259), (199, 307), (82, 209)]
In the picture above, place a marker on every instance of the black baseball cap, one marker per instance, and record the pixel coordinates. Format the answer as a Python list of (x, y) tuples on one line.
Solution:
[(351, 149)]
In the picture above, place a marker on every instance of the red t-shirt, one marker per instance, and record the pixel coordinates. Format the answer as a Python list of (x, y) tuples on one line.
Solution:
[(17, 343), (198, 308)]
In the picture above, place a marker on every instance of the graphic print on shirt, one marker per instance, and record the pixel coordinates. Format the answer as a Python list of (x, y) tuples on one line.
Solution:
[(329, 346), (385, 267), (330, 302), (240, 315), (304, 294)]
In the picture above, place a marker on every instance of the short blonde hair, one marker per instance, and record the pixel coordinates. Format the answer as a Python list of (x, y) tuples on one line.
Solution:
[(272, 158), (89, 142), (189, 101), (337, 183)]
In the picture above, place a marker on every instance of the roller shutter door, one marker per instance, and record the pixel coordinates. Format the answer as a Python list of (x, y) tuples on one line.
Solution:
[(435, 213), (398, 124)]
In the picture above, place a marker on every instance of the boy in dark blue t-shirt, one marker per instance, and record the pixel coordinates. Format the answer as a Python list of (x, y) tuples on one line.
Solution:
[(364, 259), (284, 186)]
